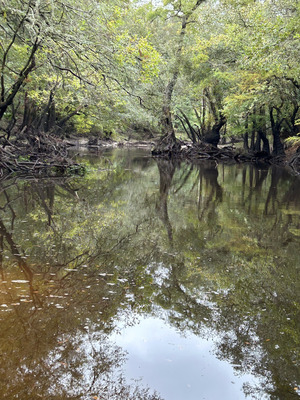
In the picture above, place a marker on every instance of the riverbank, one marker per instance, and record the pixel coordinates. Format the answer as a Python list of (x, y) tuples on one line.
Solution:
[(50, 157), (201, 151), (98, 144)]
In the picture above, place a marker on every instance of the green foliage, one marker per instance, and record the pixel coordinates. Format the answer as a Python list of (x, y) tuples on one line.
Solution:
[(85, 57), (107, 64), (293, 141)]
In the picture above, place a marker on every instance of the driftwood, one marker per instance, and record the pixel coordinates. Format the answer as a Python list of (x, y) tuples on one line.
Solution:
[(42, 155)]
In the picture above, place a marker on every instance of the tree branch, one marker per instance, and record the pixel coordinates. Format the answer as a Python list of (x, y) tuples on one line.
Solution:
[(7, 51)]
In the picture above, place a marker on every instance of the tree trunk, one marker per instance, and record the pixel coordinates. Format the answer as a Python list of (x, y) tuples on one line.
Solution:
[(257, 146), (253, 132), (45, 121), (246, 136), (29, 66), (29, 112), (262, 131), (190, 131), (278, 149), (168, 143), (213, 137), (168, 132), (51, 117)]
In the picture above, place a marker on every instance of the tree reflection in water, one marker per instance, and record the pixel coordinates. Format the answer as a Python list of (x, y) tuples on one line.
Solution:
[(211, 249)]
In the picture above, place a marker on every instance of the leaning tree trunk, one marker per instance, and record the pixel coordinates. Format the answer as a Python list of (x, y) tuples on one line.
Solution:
[(193, 134), (29, 66)]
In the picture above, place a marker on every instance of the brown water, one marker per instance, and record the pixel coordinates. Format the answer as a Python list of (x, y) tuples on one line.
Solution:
[(150, 280)]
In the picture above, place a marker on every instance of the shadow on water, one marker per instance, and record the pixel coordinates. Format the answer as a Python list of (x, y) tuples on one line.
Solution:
[(212, 251)]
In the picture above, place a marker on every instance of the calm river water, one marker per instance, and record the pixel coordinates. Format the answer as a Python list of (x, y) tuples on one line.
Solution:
[(151, 280)]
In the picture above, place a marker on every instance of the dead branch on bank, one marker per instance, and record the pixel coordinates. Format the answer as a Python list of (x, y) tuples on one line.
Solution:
[(42, 155)]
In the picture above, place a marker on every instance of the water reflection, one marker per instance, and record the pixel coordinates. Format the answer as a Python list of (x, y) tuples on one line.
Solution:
[(179, 367), (166, 172), (213, 251)]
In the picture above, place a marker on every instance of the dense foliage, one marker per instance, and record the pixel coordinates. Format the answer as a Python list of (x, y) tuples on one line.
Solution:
[(203, 68)]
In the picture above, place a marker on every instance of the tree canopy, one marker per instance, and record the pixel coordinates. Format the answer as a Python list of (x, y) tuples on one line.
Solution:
[(202, 68)]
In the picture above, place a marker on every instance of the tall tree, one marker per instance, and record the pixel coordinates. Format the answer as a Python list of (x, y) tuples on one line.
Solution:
[(182, 11)]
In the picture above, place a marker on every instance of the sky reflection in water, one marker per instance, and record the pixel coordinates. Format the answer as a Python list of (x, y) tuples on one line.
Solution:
[(178, 367)]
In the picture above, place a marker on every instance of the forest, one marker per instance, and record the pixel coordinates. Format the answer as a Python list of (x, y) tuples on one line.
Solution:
[(131, 272), (188, 75)]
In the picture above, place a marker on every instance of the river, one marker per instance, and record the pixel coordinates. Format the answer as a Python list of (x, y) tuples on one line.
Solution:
[(150, 280)]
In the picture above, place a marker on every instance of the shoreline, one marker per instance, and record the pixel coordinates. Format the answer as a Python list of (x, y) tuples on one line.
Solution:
[(43, 164), (199, 152)]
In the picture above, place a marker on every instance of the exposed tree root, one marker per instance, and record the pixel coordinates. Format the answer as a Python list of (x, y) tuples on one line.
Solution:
[(204, 151), (167, 147)]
